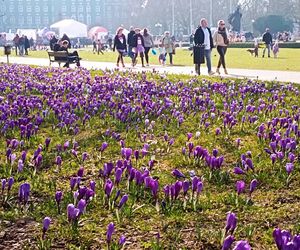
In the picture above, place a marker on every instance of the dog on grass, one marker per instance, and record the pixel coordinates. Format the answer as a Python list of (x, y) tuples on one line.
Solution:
[(253, 52)]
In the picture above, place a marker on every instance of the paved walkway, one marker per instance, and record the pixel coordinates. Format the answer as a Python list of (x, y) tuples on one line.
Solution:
[(270, 75)]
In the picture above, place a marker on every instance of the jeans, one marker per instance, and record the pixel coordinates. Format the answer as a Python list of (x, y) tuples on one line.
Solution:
[(21, 50), (130, 53), (207, 54), (147, 49), (222, 51), (268, 47), (171, 57)]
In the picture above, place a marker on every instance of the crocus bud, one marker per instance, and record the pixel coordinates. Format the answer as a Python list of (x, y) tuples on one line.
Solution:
[(178, 174), (80, 171), (122, 240), (253, 185), (123, 201), (228, 242), (10, 183), (231, 222), (240, 187), (58, 197), (109, 232), (46, 224), (242, 245)]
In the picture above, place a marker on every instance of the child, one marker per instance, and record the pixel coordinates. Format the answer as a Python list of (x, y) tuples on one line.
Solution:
[(99, 47), (275, 49), (162, 55), (94, 46)]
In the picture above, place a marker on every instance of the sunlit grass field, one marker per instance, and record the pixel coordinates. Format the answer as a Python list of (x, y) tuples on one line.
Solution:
[(288, 59)]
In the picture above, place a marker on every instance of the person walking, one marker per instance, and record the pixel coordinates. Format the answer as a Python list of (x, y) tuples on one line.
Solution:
[(203, 45), (221, 41), (26, 45), (99, 47), (21, 45), (138, 47), (168, 44), (148, 41), (130, 43), (267, 39), (16, 41), (120, 45), (94, 47)]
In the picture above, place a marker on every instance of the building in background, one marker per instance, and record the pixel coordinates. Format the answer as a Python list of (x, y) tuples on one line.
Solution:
[(37, 14)]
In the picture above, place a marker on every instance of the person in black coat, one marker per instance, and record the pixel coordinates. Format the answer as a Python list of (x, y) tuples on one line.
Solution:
[(66, 38), (130, 43), (138, 46), (203, 44), (53, 41), (120, 45), (267, 39), (27, 45)]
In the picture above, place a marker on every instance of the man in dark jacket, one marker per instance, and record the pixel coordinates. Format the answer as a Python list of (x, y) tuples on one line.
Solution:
[(203, 44), (27, 45), (130, 43), (53, 41), (267, 39)]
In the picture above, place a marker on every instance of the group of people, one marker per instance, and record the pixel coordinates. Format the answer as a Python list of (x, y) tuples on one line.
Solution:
[(139, 44), (22, 44), (205, 41), (64, 44)]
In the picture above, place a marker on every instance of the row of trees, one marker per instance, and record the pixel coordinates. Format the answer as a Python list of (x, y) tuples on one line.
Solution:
[(151, 12)]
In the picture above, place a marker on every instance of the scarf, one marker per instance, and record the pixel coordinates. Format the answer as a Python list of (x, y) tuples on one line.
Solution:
[(223, 33)]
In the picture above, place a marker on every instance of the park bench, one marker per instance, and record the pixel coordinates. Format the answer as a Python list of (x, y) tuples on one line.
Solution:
[(60, 57)]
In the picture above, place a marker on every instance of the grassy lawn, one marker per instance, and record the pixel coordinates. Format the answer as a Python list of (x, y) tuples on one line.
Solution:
[(288, 59), (178, 122)]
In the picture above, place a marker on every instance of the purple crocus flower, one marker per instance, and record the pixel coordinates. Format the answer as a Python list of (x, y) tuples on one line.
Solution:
[(199, 187), (118, 175), (66, 145), (278, 238), (109, 232), (242, 245), (20, 166), (3, 184), (122, 240), (103, 146), (177, 188), (73, 181), (231, 222), (228, 242), (289, 168), (80, 171), (47, 142), (58, 161), (46, 224), (136, 154), (178, 174), (108, 188), (189, 136), (123, 201), (93, 185), (24, 191), (58, 197), (238, 170), (81, 206), (72, 212), (253, 185), (240, 187), (84, 156), (185, 187), (273, 158), (10, 183)]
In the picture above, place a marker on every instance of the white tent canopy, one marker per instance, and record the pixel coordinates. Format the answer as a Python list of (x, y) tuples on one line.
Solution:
[(70, 27)]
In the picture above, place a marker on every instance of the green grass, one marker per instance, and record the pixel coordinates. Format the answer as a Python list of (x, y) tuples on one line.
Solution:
[(288, 59)]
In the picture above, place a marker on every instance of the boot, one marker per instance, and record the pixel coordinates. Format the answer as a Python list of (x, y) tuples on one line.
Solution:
[(142, 59), (225, 71), (197, 69), (218, 71)]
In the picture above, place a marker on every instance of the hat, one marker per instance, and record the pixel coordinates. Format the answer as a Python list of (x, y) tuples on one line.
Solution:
[(137, 29)]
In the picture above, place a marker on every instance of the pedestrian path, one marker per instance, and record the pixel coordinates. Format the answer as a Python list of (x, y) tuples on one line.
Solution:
[(269, 75)]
